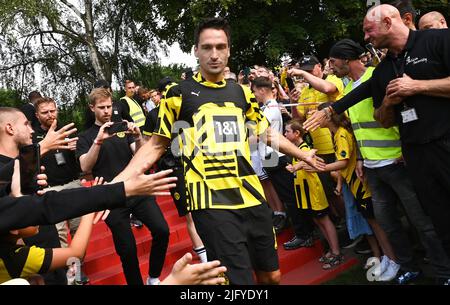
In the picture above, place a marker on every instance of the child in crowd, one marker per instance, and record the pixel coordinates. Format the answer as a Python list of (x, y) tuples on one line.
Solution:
[(311, 196), (345, 150)]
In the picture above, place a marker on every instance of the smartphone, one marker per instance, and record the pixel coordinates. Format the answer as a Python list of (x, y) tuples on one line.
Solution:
[(290, 83), (117, 127), (30, 164)]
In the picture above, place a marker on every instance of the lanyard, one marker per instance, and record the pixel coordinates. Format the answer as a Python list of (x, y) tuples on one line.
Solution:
[(399, 73)]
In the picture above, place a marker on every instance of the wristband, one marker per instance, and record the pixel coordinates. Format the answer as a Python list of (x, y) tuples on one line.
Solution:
[(97, 142)]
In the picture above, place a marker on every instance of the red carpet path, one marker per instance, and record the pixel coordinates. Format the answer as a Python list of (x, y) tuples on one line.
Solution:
[(103, 267)]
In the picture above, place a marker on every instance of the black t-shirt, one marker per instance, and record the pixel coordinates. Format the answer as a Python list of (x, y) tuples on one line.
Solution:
[(6, 168), (425, 57), (68, 168), (150, 121), (114, 155)]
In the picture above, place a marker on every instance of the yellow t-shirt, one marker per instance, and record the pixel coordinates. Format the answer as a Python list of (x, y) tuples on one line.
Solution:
[(23, 261), (214, 119), (345, 149), (321, 137), (308, 188)]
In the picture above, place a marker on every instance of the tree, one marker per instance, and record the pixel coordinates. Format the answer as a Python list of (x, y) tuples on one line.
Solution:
[(74, 42)]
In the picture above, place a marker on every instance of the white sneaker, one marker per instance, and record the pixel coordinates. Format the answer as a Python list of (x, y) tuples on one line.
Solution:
[(152, 281), (371, 261), (382, 267), (390, 272)]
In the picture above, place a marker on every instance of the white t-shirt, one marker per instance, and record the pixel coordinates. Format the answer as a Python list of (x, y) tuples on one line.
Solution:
[(272, 112)]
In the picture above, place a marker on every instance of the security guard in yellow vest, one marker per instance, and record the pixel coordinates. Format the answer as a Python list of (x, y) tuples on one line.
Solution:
[(133, 107)]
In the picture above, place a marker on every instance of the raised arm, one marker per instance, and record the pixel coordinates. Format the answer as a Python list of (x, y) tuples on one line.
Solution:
[(147, 155), (278, 142)]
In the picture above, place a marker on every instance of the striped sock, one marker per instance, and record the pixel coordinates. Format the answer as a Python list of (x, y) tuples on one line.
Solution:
[(201, 252)]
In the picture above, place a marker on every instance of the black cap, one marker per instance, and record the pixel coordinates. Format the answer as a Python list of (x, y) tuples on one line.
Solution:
[(163, 82), (347, 49), (308, 62)]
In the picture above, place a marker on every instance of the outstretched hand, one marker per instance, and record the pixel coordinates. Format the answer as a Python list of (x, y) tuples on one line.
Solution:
[(312, 160), (59, 139), (315, 120), (140, 184), (183, 273)]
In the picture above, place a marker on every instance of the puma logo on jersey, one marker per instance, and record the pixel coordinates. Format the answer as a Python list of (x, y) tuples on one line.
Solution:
[(195, 93)]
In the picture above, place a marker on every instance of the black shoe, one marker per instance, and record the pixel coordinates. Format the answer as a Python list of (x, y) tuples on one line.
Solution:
[(363, 247), (136, 222), (279, 222), (297, 242), (350, 243), (407, 277)]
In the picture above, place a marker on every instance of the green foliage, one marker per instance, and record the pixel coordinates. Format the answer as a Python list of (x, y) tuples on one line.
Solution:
[(10, 98), (149, 75)]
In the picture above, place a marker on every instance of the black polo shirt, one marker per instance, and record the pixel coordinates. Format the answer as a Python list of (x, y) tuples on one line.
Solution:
[(115, 152), (6, 168), (425, 57), (67, 170)]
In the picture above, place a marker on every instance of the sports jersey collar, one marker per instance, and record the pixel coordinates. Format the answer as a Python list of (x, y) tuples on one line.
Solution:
[(201, 80)]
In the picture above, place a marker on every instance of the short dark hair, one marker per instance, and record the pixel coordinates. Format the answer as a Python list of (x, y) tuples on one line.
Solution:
[(213, 23), (101, 83), (405, 6), (262, 82), (34, 95)]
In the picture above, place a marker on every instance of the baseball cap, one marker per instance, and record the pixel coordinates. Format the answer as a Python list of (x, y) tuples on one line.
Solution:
[(308, 62), (163, 83)]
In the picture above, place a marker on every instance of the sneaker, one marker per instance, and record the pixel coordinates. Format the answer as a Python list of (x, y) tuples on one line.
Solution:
[(443, 281), (390, 272), (84, 280), (363, 247), (407, 277), (370, 262), (384, 264), (279, 222), (351, 243), (151, 281), (297, 242), (136, 222)]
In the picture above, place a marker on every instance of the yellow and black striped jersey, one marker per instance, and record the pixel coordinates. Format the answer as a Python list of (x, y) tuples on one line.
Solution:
[(308, 188), (214, 120), (345, 148), (23, 261)]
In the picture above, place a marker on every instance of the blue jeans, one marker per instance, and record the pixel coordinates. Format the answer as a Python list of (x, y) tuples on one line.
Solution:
[(388, 184)]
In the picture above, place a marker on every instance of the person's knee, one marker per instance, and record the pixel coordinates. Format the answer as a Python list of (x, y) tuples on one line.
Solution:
[(269, 278)]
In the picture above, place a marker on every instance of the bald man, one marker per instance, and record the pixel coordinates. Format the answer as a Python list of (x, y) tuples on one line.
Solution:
[(411, 88), (432, 20)]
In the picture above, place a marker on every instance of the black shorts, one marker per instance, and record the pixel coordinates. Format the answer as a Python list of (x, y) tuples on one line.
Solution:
[(319, 213), (178, 193), (365, 207), (243, 240)]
